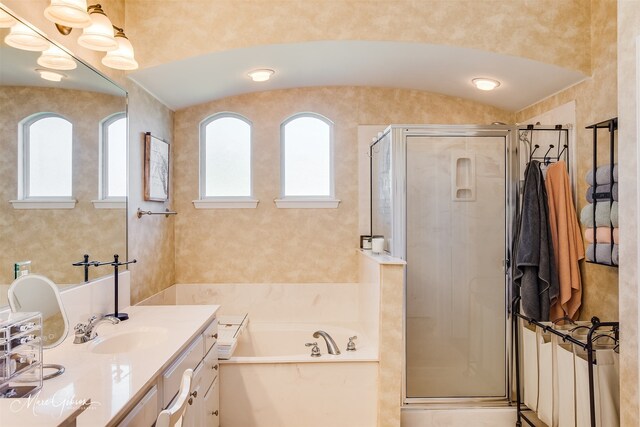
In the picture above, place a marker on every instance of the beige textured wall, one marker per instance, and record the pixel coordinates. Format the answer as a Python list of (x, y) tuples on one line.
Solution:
[(172, 30), (55, 238), (291, 245), (628, 92), (151, 238), (596, 100)]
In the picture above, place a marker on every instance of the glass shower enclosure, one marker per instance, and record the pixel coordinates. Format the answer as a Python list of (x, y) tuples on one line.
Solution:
[(440, 195)]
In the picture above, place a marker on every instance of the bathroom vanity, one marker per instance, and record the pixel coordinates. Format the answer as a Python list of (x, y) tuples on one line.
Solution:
[(127, 375)]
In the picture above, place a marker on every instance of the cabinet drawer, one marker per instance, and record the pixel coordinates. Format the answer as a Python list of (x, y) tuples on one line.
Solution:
[(173, 375), (211, 405), (145, 412), (210, 336), (210, 367)]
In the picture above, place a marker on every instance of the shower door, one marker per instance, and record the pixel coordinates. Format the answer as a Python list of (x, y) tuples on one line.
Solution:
[(455, 226)]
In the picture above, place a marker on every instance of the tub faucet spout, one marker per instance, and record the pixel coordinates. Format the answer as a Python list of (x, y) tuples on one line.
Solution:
[(332, 348)]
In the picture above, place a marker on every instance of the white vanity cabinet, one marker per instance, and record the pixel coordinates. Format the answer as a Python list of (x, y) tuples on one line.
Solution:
[(204, 409), (201, 355)]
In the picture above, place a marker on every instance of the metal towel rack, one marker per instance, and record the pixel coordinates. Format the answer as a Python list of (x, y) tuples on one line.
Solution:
[(166, 213)]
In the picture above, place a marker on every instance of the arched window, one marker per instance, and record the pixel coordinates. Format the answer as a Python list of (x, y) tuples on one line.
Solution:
[(225, 162), (113, 157), (45, 152), (307, 161)]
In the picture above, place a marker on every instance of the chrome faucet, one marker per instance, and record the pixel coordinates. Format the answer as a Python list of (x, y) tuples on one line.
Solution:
[(332, 348), (87, 332)]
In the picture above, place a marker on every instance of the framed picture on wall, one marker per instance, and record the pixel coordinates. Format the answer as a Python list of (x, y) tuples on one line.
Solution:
[(156, 169)]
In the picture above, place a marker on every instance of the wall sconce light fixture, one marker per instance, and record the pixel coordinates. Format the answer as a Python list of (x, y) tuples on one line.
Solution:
[(6, 20), (22, 37), (99, 35), (56, 59), (121, 58), (68, 13)]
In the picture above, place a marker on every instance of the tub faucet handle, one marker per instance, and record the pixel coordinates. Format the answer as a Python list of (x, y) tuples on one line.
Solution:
[(351, 346), (315, 351)]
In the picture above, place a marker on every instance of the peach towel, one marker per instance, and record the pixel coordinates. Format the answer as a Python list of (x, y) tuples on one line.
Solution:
[(603, 234), (567, 241)]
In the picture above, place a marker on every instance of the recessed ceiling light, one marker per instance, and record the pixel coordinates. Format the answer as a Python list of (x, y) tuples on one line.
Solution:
[(52, 76), (485, 84), (261, 75)]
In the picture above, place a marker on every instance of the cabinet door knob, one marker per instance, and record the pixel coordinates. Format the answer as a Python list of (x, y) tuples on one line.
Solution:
[(215, 367), (195, 393), (215, 413), (215, 335)]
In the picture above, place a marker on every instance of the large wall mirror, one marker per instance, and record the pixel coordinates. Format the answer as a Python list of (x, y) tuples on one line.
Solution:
[(63, 163)]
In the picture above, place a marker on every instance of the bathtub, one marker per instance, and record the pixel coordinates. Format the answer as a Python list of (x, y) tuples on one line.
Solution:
[(272, 380)]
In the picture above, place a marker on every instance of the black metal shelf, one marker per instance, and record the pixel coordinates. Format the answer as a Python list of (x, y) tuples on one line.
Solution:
[(612, 126)]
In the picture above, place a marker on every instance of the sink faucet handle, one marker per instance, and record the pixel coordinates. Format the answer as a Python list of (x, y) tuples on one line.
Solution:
[(315, 351), (351, 346), (92, 319), (80, 328)]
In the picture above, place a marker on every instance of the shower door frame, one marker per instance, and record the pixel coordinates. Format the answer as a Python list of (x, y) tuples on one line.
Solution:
[(399, 134)]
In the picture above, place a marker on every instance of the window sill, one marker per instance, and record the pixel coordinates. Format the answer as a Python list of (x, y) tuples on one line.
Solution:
[(61, 203), (226, 203), (113, 203), (307, 203)]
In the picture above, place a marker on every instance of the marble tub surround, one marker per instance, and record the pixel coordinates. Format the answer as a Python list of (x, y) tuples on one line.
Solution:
[(374, 305), (113, 382), (335, 303)]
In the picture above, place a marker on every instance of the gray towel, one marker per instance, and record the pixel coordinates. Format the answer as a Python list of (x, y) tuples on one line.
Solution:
[(604, 253), (602, 193), (535, 273), (602, 175), (606, 214)]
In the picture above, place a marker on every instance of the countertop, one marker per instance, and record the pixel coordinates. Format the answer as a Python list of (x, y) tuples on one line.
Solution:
[(107, 385)]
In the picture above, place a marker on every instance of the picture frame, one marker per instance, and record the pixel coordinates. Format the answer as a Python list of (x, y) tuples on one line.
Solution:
[(156, 168)]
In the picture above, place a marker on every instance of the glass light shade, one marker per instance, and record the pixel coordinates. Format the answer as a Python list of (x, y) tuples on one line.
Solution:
[(70, 13), (6, 20), (23, 37), (485, 84), (56, 59), (261, 75), (121, 58), (52, 76), (99, 35)]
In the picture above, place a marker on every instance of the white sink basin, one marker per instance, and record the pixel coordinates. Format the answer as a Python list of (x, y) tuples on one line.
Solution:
[(128, 341)]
